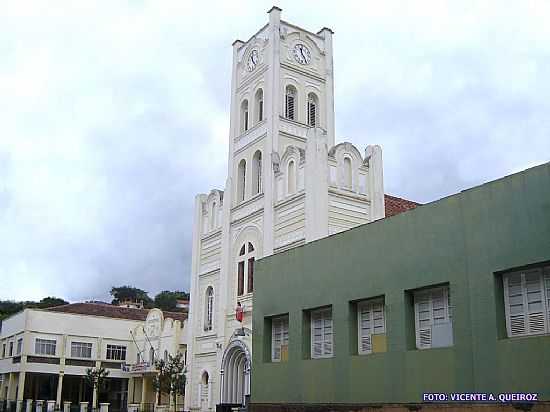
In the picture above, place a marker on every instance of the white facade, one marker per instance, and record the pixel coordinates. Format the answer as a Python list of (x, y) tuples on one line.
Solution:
[(288, 184), (56, 347)]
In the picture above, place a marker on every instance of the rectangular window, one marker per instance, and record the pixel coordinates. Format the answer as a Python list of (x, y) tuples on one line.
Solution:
[(44, 347), (321, 333), (527, 302), (279, 339), (433, 318), (19, 346), (250, 283), (81, 350), (4, 350), (116, 352), (11, 348), (371, 326), (240, 279)]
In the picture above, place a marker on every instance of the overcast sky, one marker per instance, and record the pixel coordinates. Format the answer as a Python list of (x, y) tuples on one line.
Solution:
[(113, 115)]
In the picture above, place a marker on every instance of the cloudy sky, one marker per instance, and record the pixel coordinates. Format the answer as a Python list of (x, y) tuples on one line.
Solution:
[(114, 114)]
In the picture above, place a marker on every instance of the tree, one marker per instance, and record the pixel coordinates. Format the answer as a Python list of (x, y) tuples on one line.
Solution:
[(51, 301), (170, 377), (122, 293), (95, 378), (167, 300)]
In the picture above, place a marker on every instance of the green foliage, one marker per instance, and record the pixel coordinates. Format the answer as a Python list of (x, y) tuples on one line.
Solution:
[(95, 377), (122, 293), (170, 378), (166, 300), (51, 301), (10, 307)]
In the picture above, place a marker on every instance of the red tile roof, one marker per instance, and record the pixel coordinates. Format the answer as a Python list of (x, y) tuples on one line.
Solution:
[(395, 205), (112, 311)]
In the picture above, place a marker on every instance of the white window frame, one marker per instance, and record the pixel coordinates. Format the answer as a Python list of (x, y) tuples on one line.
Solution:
[(115, 352), (80, 349), (444, 315), (324, 315), (375, 310), (528, 321), (45, 346), (279, 337)]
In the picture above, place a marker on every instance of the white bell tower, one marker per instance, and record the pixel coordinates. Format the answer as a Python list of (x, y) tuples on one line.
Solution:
[(287, 184)]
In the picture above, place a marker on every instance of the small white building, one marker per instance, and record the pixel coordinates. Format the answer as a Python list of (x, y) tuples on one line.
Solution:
[(45, 353)]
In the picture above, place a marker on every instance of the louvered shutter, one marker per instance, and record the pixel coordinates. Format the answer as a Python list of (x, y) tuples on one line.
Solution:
[(365, 324), (515, 305), (423, 313), (327, 333), (284, 339), (316, 335), (536, 313), (289, 106), (276, 340), (433, 318), (371, 322)]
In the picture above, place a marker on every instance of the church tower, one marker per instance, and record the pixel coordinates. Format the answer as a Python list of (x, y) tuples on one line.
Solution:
[(287, 184)]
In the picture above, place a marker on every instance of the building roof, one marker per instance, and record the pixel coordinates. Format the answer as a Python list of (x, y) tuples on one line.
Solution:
[(395, 205), (112, 311)]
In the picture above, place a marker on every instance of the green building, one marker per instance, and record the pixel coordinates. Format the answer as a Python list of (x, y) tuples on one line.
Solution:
[(451, 297)]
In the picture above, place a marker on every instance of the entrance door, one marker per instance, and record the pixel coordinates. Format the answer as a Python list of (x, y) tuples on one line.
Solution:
[(236, 374)]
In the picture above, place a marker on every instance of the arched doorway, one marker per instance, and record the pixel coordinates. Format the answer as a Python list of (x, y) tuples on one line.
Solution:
[(235, 374)]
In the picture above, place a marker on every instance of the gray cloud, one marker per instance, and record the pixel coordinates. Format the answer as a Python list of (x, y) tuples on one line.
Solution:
[(114, 116)]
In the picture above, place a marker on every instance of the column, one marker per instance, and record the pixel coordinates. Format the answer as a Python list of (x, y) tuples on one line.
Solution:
[(130, 390), (316, 185), (20, 391), (94, 398), (375, 181), (67, 406), (11, 388), (143, 391), (59, 390)]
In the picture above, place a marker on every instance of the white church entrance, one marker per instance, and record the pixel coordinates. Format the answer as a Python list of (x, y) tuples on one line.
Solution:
[(235, 373)]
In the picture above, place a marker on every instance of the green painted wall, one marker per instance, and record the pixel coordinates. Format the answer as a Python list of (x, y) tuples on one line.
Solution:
[(462, 240)]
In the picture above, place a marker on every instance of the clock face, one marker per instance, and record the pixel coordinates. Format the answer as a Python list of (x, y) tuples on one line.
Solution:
[(301, 54), (253, 60)]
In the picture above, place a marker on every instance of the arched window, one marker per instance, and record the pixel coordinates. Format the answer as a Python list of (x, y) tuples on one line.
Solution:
[(290, 101), (245, 264), (208, 308), (257, 173), (312, 109), (291, 177), (244, 116), (347, 173), (165, 356), (259, 105), (241, 180), (152, 356), (204, 390), (213, 215)]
